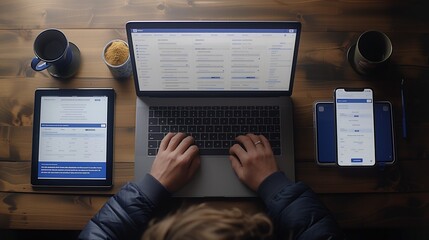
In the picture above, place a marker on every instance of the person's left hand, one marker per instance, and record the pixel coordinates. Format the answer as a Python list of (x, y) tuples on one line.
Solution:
[(176, 162)]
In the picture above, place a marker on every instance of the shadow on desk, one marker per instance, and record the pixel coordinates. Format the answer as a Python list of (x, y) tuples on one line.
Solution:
[(352, 234)]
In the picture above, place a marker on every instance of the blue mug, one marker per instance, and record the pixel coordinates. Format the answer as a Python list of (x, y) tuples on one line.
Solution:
[(53, 51)]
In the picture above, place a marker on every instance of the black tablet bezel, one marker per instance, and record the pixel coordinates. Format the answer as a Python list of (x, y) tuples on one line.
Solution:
[(106, 183)]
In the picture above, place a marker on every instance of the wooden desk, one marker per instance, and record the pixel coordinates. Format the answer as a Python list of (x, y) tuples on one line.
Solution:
[(359, 198)]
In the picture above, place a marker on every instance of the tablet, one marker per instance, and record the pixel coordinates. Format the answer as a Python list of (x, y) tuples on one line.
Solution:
[(73, 138), (325, 133)]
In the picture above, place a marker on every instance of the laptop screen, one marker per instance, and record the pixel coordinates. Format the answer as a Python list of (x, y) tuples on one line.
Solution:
[(213, 56)]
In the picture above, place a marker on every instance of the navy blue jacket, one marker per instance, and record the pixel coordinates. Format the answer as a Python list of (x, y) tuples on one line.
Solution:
[(294, 208)]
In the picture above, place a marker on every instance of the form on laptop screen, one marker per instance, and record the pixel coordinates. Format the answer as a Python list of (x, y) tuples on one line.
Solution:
[(207, 59)]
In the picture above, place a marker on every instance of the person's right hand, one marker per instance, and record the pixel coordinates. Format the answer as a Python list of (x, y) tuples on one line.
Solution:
[(254, 162), (176, 162)]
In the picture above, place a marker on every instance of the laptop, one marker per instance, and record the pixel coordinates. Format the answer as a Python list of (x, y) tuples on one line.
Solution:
[(214, 81)]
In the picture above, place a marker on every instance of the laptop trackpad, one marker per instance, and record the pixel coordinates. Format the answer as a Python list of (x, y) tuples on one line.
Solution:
[(215, 178)]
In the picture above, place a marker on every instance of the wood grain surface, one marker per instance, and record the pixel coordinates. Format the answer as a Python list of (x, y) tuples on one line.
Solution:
[(395, 196)]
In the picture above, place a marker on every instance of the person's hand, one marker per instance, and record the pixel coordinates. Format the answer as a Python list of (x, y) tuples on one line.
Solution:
[(176, 162), (254, 162)]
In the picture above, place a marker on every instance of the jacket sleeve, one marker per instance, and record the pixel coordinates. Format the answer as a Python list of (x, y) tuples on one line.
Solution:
[(127, 214), (296, 211)]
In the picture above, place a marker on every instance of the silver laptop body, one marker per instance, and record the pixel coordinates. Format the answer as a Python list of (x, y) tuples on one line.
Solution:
[(194, 65)]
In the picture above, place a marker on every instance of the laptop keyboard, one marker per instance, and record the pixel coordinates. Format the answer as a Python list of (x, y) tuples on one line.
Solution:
[(214, 128)]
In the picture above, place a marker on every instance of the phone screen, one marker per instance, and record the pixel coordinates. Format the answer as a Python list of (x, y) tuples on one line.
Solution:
[(354, 119)]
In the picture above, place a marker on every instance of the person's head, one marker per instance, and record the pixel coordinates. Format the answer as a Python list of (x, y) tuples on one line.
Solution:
[(203, 222)]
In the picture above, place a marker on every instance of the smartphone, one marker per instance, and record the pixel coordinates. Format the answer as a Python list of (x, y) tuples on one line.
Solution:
[(354, 125), (325, 133)]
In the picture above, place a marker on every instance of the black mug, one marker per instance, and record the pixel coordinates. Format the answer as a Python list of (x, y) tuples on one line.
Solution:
[(371, 52), (53, 52)]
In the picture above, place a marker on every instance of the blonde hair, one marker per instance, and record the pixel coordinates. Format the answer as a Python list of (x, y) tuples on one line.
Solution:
[(203, 222)]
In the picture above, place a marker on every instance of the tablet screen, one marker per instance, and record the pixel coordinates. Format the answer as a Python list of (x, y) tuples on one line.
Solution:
[(325, 133), (73, 137)]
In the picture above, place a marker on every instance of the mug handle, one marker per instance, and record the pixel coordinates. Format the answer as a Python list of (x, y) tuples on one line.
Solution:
[(35, 64)]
